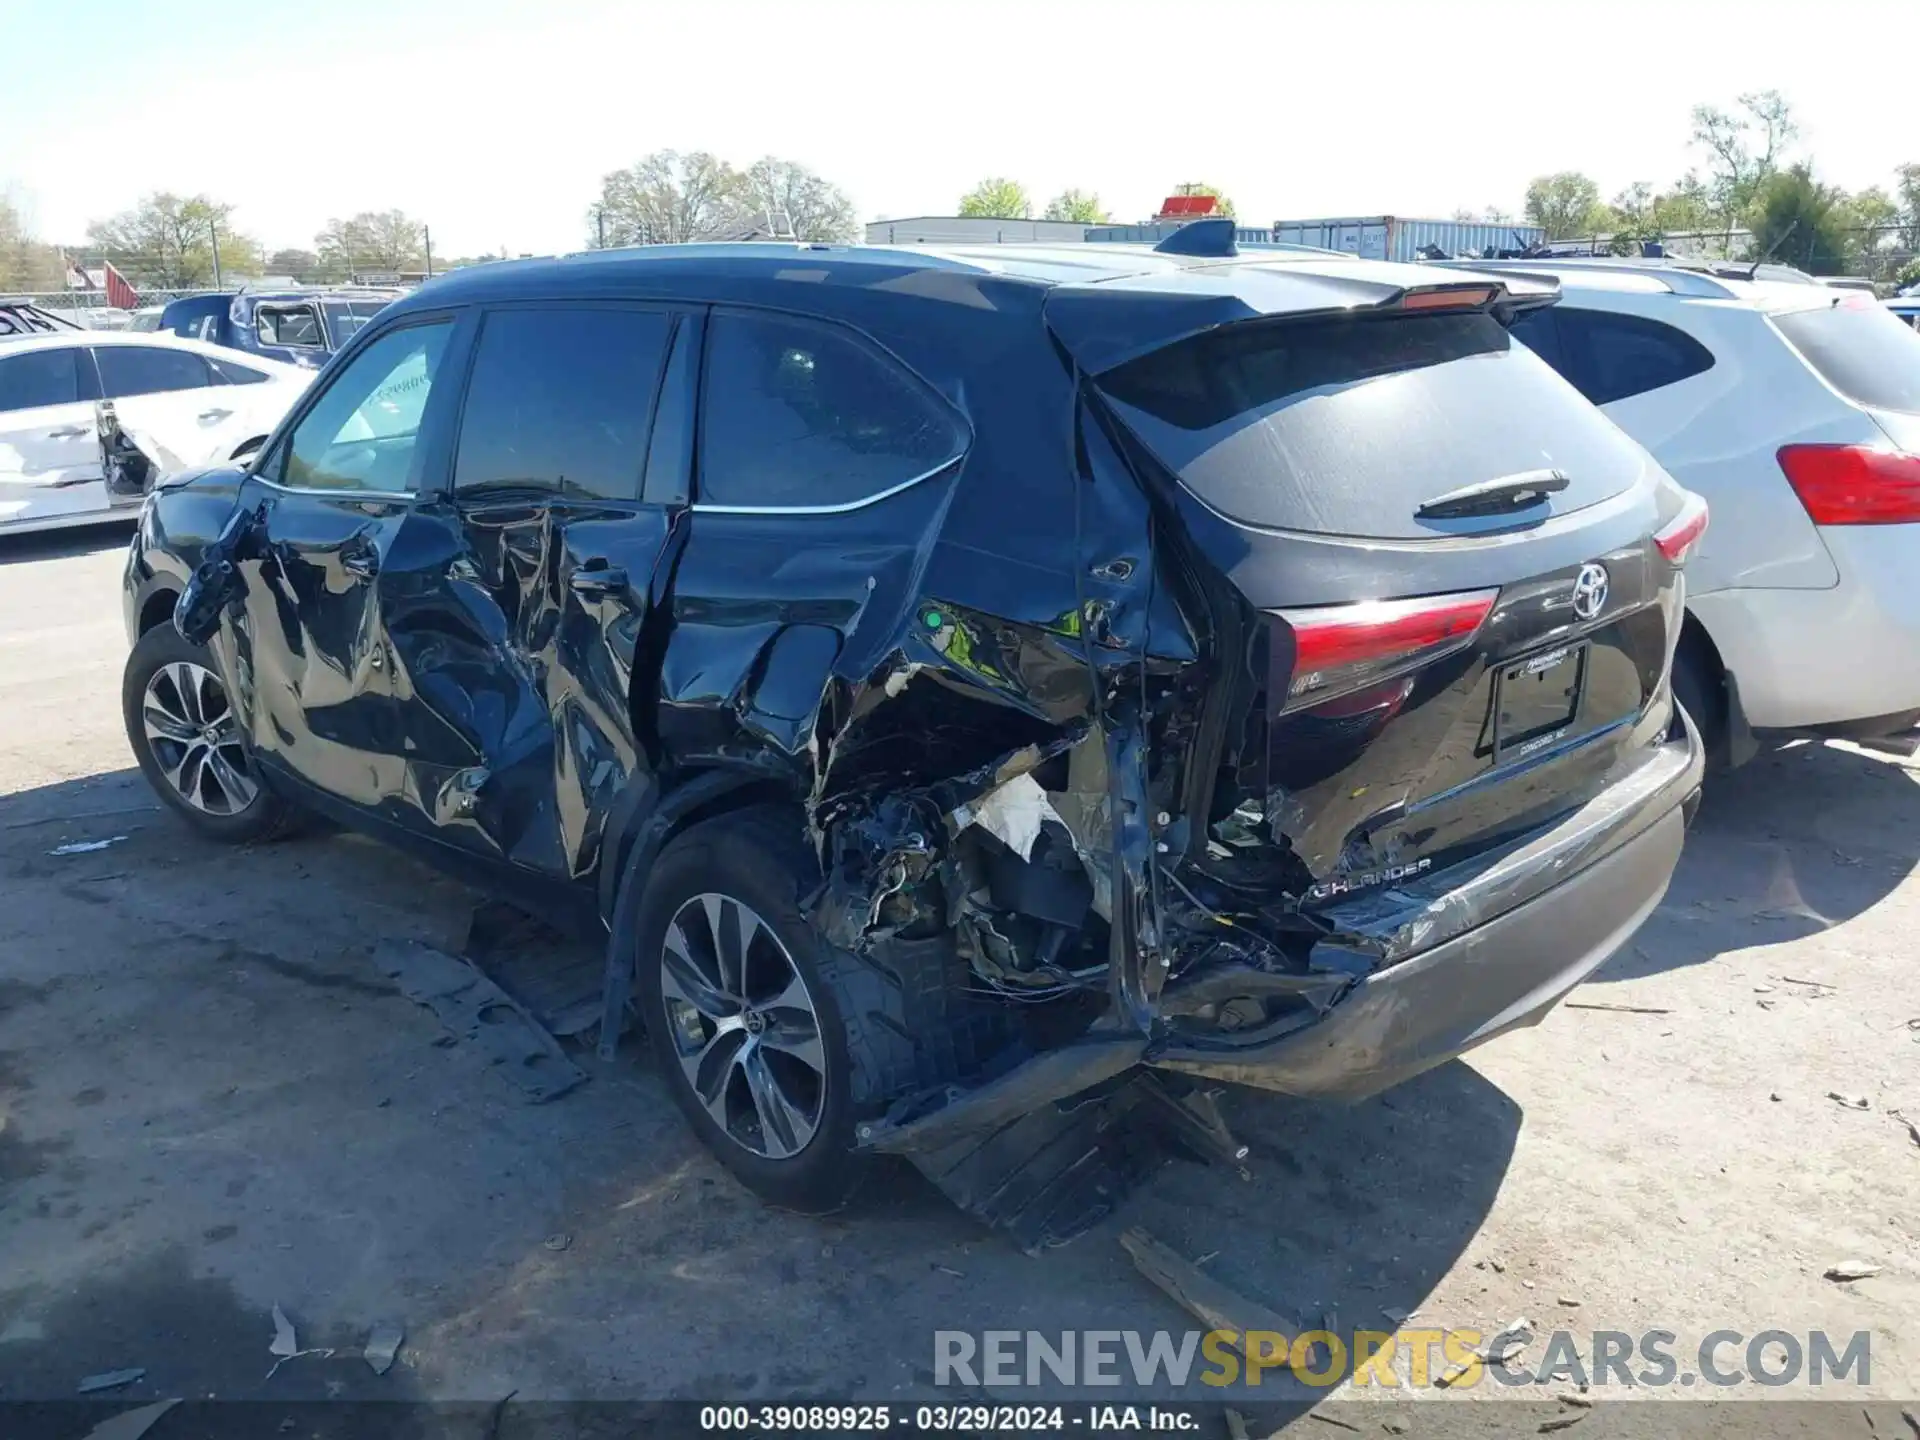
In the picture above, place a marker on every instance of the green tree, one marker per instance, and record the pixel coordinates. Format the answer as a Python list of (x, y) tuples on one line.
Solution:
[(1906, 191), (670, 198), (25, 262), (1200, 187), (1798, 221), (819, 211), (1744, 148), (1079, 205), (300, 264), (1685, 208), (1565, 204), (382, 240), (997, 198), (166, 241)]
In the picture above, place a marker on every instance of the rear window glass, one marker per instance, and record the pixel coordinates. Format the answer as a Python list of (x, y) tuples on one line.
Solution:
[(1610, 357), (1860, 350), (1348, 426)]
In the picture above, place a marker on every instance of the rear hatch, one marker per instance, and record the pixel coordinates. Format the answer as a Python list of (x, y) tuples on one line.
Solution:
[(1871, 357), (1463, 617)]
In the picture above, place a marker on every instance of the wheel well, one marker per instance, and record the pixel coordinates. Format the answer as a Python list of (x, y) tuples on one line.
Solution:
[(1697, 645), (157, 610), (753, 794)]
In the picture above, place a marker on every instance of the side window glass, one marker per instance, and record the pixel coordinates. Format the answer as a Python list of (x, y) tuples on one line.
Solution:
[(144, 370), (298, 326), (225, 372), (561, 400), (1610, 357), (363, 432), (1536, 330), (41, 377), (800, 414)]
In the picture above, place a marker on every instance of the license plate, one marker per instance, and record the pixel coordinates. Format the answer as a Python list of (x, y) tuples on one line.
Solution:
[(1537, 700)]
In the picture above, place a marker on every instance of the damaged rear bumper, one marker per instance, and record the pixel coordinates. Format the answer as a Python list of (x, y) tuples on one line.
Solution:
[(1617, 855)]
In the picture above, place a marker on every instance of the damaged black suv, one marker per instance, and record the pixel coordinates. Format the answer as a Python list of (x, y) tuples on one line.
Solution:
[(985, 696)]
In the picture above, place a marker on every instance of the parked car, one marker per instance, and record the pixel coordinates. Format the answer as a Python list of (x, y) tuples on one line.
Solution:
[(22, 317), (958, 679), (1905, 309), (1796, 411), (193, 403), (298, 327)]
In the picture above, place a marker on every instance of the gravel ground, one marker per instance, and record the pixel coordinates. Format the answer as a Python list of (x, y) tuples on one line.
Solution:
[(212, 1103)]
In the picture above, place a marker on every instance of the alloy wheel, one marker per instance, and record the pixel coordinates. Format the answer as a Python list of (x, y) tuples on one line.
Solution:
[(195, 738), (744, 1027)]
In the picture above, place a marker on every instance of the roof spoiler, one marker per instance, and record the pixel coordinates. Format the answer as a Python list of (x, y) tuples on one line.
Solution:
[(1210, 239)]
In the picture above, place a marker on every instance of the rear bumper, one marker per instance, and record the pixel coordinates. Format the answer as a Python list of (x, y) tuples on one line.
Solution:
[(1811, 658), (1501, 974)]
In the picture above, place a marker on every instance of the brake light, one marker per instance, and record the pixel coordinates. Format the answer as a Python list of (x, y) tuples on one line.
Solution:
[(1854, 484), (1337, 649), (1449, 297), (1677, 539)]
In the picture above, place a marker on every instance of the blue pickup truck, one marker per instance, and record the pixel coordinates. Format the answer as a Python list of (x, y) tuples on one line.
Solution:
[(300, 327)]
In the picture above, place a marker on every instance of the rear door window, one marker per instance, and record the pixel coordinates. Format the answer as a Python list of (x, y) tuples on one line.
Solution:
[(1347, 426), (562, 400), (148, 370), (1860, 350), (801, 415), (1609, 356), (40, 377)]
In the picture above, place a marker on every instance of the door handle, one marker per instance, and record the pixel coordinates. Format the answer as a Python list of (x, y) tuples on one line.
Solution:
[(598, 582), (363, 563), (70, 432), (214, 414)]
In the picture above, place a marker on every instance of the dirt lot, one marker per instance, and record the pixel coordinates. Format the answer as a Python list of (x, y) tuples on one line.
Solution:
[(211, 1102)]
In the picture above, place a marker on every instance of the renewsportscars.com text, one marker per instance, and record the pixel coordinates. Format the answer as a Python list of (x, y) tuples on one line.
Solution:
[(1453, 1359)]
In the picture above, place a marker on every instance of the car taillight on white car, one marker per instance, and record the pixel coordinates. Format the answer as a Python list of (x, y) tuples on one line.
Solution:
[(1854, 484), (1678, 537)]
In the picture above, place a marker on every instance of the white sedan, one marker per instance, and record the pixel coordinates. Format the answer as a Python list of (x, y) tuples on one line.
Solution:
[(199, 404)]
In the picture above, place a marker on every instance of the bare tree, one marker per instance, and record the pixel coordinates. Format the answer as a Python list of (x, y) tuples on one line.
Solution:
[(669, 199), (819, 210), (1744, 148), (372, 240)]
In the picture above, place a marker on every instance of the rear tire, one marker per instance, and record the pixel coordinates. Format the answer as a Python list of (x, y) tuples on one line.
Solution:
[(1700, 686), (881, 1030), (189, 744)]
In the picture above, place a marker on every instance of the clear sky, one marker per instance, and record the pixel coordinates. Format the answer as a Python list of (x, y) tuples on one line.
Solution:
[(493, 120)]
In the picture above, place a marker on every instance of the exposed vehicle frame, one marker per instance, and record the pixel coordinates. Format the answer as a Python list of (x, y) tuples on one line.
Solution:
[(914, 742)]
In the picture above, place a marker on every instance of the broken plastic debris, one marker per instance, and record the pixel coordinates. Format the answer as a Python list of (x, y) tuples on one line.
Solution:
[(131, 1424), (1852, 1270), (558, 1242), (85, 847), (111, 1380), (383, 1343), (1852, 1102), (285, 1344), (1013, 814)]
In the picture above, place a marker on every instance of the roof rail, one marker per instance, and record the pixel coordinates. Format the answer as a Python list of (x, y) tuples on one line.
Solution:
[(1680, 279)]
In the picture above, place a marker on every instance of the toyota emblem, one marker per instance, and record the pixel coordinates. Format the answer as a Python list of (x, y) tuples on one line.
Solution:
[(1590, 591)]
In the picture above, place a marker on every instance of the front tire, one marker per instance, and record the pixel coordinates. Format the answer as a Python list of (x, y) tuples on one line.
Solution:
[(188, 741)]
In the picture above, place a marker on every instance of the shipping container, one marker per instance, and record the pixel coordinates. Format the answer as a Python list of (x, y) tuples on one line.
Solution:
[(1388, 237), (973, 230)]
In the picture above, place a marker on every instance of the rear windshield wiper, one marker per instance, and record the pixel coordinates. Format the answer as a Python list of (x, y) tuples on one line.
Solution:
[(1494, 497)]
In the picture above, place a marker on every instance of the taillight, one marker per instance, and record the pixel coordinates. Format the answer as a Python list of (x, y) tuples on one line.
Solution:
[(1446, 297), (1854, 484), (1337, 649), (1678, 537)]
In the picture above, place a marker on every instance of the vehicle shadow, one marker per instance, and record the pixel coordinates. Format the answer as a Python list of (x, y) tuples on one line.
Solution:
[(1791, 844), (255, 1100), (65, 543)]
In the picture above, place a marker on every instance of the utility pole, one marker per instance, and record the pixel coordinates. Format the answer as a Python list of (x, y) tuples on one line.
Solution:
[(427, 232), (213, 234), (600, 224)]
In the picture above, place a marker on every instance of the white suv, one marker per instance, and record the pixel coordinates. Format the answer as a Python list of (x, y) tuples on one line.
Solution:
[(1794, 408)]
